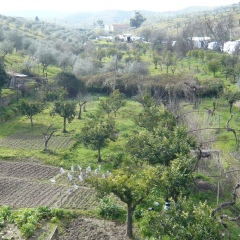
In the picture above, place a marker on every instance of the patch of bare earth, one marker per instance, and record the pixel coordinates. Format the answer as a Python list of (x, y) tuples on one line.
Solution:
[(203, 185), (92, 229), (35, 141), (27, 184)]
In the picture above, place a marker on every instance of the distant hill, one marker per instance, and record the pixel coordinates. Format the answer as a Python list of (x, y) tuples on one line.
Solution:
[(42, 14), (108, 16), (120, 16)]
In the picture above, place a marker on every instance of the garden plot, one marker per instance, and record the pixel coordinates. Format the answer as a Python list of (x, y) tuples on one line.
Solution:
[(35, 142), (25, 184), (90, 228), (27, 170)]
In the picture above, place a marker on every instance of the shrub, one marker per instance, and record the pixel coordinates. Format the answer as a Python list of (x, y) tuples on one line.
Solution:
[(23, 216), (58, 213), (109, 210), (27, 230), (54, 220), (44, 211)]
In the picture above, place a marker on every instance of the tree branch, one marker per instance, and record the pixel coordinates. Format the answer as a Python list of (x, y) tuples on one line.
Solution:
[(229, 203)]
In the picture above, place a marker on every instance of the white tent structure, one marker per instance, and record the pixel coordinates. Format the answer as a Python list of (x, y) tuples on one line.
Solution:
[(231, 46)]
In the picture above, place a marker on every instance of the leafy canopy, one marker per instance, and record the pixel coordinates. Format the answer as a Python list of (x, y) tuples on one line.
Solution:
[(97, 132), (30, 108), (137, 20), (183, 220)]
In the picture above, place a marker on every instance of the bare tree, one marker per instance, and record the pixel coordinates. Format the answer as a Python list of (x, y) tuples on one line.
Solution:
[(80, 109), (47, 137)]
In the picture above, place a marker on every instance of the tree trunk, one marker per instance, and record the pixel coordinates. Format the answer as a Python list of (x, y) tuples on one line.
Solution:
[(31, 121), (231, 106), (129, 231), (64, 125), (80, 111), (84, 106), (45, 143), (99, 156)]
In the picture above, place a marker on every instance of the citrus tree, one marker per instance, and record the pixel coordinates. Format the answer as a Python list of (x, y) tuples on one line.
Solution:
[(66, 110), (183, 220), (97, 132), (131, 184), (30, 109)]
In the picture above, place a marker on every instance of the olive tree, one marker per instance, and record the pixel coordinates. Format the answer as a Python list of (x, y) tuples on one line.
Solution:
[(46, 56)]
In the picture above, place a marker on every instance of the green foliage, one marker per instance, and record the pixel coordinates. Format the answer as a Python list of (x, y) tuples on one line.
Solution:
[(44, 211), (137, 20), (66, 110), (156, 59), (27, 215), (213, 66), (183, 220), (54, 220), (27, 230), (130, 184), (108, 209), (29, 219), (231, 96), (113, 103), (55, 93), (5, 215), (7, 113), (160, 147), (58, 213), (3, 77), (97, 132), (178, 177), (70, 83), (155, 117), (30, 109)]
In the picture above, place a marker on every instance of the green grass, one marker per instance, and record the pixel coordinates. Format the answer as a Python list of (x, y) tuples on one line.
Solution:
[(78, 154)]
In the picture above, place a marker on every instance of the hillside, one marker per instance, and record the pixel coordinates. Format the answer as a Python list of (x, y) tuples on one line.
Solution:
[(108, 136)]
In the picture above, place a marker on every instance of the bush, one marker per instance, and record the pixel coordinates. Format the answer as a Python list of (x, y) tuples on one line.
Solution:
[(45, 212), (58, 213), (23, 216), (54, 220), (27, 230), (8, 112), (109, 210)]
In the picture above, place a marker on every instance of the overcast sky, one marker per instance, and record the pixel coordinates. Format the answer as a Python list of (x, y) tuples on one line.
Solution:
[(86, 5)]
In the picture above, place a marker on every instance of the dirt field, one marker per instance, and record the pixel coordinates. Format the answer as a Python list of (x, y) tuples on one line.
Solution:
[(35, 141), (92, 229), (25, 184)]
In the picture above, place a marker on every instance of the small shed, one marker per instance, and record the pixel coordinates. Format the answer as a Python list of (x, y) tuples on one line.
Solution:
[(17, 79)]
